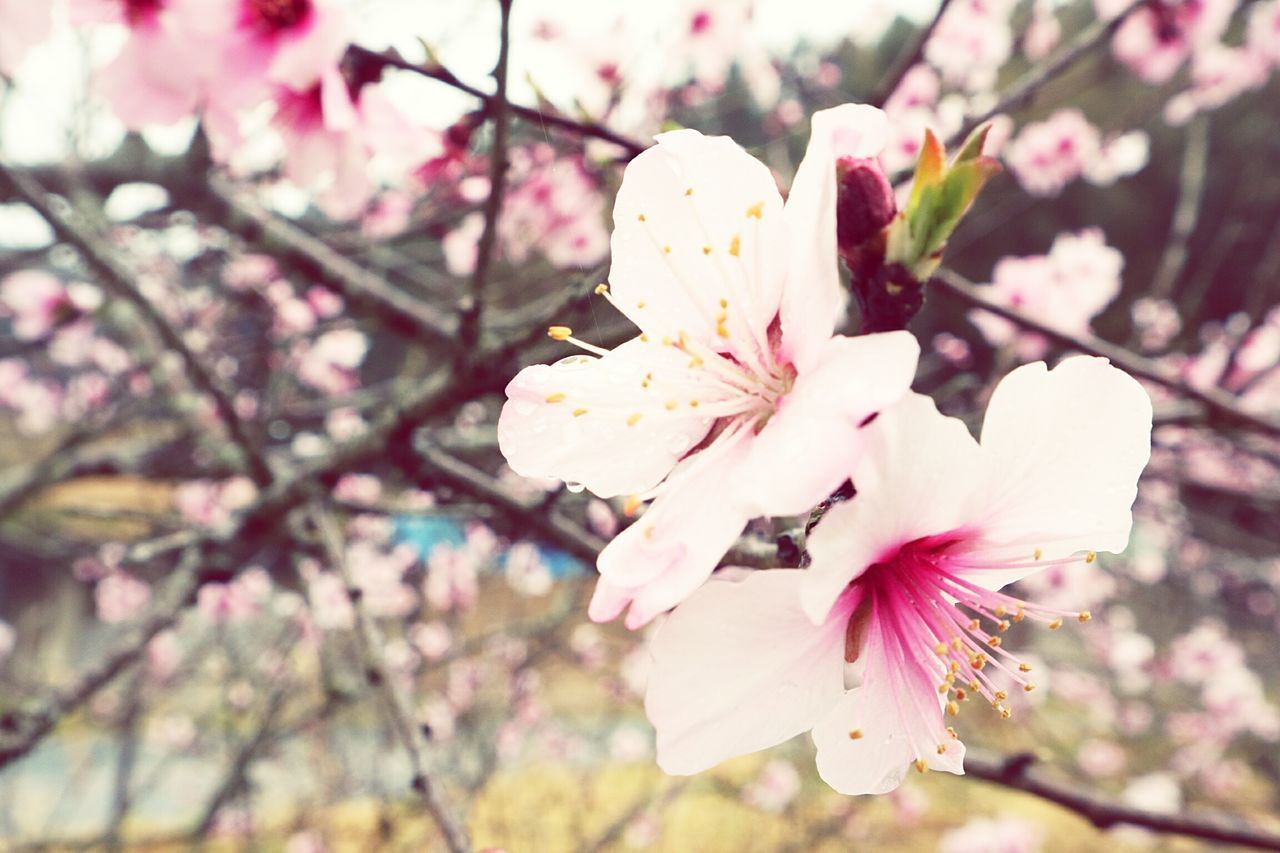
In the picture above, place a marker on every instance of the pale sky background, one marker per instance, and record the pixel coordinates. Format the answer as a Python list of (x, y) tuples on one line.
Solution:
[(50, 106)]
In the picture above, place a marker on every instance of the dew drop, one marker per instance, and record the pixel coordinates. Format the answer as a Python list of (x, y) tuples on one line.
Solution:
[(575, 488)]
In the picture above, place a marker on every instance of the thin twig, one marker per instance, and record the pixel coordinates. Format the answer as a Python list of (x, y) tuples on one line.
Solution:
[(1226, 407), (1191, 185), (473, 306), (21, 730), (908, 60), (117, 277), (371, 643), (237, 773), (1015, 772), (540, 117), (1026, 86), (358, 286)]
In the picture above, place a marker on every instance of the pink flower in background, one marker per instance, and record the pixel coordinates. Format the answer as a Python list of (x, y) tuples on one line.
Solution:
[(736, 400), (452, 581), (1118, 157), (120, 596), (1043, 32), (1263, 35), (165, 69), (1047, 155), (290, 43), (39, 303), (379, 573), (332, 128), (1064, 289), (332, 362), (23, 25), (1155, 40), (1218, 74), (898, 617), (554, 207), (971, 42), (993, 835)]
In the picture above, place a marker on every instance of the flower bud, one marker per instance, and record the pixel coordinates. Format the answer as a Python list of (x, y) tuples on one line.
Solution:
[(865, 203)]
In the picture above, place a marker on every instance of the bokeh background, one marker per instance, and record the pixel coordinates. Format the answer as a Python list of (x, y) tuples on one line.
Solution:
[(184, 641)]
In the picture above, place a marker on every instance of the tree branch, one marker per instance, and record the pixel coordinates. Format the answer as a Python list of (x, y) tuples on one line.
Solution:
[(908, 60), (1015, 772), (1226, 407), (370, 643), (120, 279), (473, 306)]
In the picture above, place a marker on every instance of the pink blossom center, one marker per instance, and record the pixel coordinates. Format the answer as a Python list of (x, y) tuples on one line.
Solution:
[(139, 12), (273, 16), (700, 23), (929, 613)]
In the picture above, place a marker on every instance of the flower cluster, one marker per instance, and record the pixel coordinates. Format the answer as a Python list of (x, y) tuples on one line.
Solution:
[(737, 400)]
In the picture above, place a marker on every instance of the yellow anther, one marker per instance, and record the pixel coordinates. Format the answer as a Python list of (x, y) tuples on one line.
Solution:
[(941, 648), (953, 734), (666, 250), (993, 642), (1091, 556), (639, 304), (957, 644), (1024, 667), (921, 765), (648, 532), (602, 289), (1002, 611), (632, 420), (1020, 615), (722, 330), (557, 397), (1000, 695), (944, 687), (559, 333), (756, 210), (696, 361), (734, 245), (1027, 688), (1006, 714), (1055, 624), (855, 734), (577, 413), (671, 405), (1003, 625), (973, 685), (953, 709), (666, 341), (706, 250), (974, 624), (693, 404), (1039, 553), (1085, 616), (942, 749), (978, 662), (960, 694), (689, 191), (644, 339), (631, 505), (640, 217)]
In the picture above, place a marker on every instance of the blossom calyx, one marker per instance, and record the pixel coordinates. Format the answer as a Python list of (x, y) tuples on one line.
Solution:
[(941, 194)]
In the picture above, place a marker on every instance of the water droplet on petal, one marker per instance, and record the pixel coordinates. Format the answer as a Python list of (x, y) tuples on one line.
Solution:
[(575, 488)]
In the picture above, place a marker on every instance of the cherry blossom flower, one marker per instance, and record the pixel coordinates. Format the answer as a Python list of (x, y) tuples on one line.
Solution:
[(164, 69), (23, 24), (1065, 289), (736, 400), (333, 128), (971, 42), (120, 597), (331, 363), (899, 616), (1263, 35), (1218, 74), (290, 43), (1047, 155), (993, 835), (39, 303), (1155, 40)]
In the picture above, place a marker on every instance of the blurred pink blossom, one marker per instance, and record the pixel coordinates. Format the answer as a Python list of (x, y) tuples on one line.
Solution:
[(120, 597)]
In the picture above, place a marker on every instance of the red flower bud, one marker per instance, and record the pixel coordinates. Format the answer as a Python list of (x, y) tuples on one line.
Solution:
[(865, 204)]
